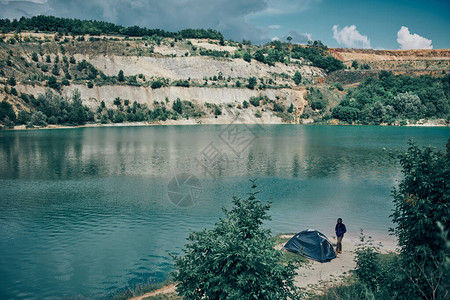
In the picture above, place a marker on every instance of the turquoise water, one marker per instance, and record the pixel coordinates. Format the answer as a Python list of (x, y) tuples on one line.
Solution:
[(90, 211)]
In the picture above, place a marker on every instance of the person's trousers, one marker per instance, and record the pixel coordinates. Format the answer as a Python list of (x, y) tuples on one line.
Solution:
[(339, 244)]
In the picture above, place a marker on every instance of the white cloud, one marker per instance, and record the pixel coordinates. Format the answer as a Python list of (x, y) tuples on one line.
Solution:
[(274, 26), (412, 41), (275, 38), (350, 37)]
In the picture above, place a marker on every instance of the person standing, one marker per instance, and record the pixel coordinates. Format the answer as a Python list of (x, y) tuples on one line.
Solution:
[(340, 230)]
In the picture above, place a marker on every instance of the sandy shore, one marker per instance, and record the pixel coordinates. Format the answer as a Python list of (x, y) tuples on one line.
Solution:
[(206, 121), (317, 276)]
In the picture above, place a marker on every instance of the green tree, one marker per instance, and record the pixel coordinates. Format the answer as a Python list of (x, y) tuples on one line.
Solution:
[(6, 110), (355, 64), (297, 77), (289, 39), (120, 76), (12, 81), (34, 57), (252, 83), (247, 57), (236, 259), (177, 106), (421, 203), (77, 113), (38, 118), (259, 56)]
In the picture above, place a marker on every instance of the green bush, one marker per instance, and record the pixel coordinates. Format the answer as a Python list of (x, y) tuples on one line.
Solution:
[(156, 84), (252, 83), (236, 259), (297, 77), (6, 110), (247, 57)]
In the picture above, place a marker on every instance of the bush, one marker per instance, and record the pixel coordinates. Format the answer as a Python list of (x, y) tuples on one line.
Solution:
[(252, 83), (247, 57), (297, 77), (254, 101), (38, 119), (156, 84), (422, 203), (236, 259), (90, 85), (12, 81), (120, 76), (245, 104), (23, 117), (177, 106), (6, 110)]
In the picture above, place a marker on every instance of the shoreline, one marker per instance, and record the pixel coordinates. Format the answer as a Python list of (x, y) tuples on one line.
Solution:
[(432, 123)]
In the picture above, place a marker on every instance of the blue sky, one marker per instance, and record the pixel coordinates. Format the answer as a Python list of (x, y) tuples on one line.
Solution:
[(346, 23)]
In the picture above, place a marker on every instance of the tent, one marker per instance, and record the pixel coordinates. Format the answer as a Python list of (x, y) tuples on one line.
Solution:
[(312, 244)]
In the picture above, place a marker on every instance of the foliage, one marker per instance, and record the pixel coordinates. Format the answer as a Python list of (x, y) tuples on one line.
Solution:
[(422, 202), (82, 27), (6, 111), (177, 106), (156, 84), (252, 83), (316, 99), (318, 56), (236, 259), (247, 57), (120, 76), (388, 97), (215, 53), (38, 119), (297, 77)]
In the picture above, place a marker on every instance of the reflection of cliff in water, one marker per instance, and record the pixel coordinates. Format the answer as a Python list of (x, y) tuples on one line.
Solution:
[(279, 150)]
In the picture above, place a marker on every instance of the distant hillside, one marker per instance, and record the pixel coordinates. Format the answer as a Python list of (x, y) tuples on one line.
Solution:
[(71, 72)]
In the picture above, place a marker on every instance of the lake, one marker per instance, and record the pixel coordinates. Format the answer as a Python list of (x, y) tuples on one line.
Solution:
[(90, 211)]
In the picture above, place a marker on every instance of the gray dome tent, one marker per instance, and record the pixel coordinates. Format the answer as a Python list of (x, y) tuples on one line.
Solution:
[(312, 244)]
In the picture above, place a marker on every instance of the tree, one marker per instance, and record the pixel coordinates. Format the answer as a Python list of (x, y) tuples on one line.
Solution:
[(421, 203), (117, 102), (156, 84), (289, 39), (252, 83), (77, 113), (55, 70), (355, 64), (38, 118), (259, 56), (120, 76), (236, 259), (6, 110), (297, 77), (177, 106), (53, 83), (247, 57), (34, 57), (12, 81)]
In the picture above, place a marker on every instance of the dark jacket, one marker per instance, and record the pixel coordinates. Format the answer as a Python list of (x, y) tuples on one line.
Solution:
[(340, 229)]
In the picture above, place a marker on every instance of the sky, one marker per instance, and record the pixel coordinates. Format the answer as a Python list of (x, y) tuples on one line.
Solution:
[(376, 24)]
